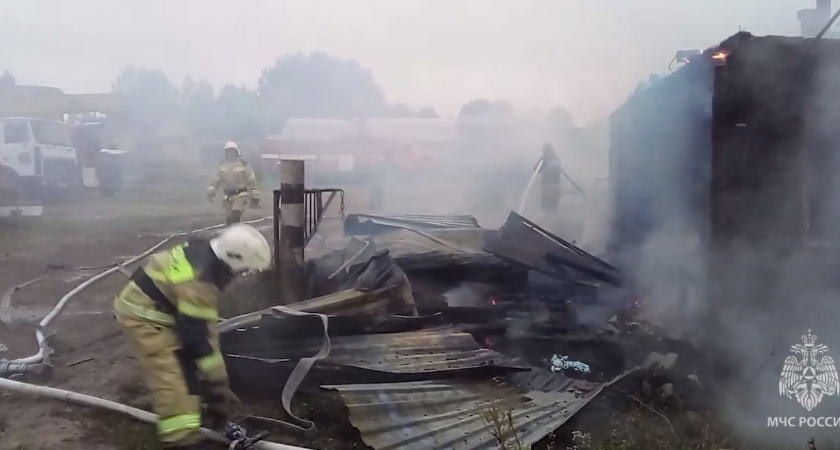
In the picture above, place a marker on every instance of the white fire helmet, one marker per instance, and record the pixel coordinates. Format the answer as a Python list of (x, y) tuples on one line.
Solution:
[(232, 145), (242, 248)]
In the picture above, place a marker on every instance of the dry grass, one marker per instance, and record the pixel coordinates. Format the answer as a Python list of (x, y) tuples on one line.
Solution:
[(646, 428), (114, 430), (497, 416)]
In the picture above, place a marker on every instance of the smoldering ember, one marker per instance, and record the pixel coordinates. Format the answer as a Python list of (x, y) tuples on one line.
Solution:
[(683, 299)]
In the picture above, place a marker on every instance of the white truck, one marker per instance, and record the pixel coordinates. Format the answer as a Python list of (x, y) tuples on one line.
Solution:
[(37, 161)]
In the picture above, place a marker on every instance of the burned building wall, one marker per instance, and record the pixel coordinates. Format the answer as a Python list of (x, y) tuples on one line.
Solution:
[(659, 175), (760, 106), (771, 214), (775, 215), (658, 140), (775, 192)]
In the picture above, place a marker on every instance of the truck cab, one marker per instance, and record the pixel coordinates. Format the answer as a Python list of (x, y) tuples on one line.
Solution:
[(40, 152)]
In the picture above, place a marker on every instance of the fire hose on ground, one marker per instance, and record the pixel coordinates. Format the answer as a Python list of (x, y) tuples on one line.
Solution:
[(43, 349), (36, 361), (139, 414)]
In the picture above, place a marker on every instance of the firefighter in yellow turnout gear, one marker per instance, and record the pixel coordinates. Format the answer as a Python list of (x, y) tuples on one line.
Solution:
[(238, 183), (168, 312)]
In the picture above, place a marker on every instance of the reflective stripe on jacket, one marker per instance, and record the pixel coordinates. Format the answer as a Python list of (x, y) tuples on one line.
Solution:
[(178, 423), (173, 290), (235, 178)]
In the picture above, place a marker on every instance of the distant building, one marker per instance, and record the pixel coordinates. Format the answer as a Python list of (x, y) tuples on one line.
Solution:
[(420, 134), (345, 145)]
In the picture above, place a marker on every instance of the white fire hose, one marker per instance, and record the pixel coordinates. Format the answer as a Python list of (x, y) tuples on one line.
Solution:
[(42, 325), (139, 414), (87, 400)]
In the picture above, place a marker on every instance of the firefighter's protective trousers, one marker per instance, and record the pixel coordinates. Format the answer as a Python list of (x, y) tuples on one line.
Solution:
[(177, 343), (239, 185)]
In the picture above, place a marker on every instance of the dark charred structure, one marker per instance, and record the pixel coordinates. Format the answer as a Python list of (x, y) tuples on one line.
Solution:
[(425, 337), (775, 200), (741, 146), (660, 139)]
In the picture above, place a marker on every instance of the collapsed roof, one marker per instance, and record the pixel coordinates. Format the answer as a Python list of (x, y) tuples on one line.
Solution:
[(416, 374)]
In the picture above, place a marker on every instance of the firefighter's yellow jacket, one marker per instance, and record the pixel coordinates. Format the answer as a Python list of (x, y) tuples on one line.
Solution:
[(169, 314), (236, 179)]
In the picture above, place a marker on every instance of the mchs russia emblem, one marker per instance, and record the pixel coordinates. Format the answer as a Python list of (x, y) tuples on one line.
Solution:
[(809, 375)]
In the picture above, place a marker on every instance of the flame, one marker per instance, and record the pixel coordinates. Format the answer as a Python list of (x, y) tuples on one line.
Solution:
[(720, 56)]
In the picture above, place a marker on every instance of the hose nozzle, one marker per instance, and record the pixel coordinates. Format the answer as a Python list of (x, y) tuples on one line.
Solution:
[(10, 368)]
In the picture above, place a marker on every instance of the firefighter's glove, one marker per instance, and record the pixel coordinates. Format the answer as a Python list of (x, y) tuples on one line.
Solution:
[(255, 203), (211, 196), (222, 404)]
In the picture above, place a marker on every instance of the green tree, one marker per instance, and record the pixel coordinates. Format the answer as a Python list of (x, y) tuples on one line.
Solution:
[(402, 111), (7, 81), (240, 112), (482, 106), (427, 112), (319, 85), (152, 97), (200, 107)]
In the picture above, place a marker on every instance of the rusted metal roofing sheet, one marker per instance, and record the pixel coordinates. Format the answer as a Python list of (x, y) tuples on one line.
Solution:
[(453, 414), (416, 352), (439, 349), (261, 358), (426, 389)]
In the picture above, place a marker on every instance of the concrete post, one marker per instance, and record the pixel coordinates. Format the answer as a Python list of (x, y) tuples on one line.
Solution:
[(292, 219)]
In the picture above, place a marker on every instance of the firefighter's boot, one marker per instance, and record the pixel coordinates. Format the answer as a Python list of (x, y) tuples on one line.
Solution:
[(234, 217)]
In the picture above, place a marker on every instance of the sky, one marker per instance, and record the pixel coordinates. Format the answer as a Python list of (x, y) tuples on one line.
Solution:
[(584, 55)]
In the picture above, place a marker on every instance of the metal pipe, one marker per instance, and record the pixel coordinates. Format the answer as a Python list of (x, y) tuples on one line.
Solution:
[(292, 222), (828, 24)]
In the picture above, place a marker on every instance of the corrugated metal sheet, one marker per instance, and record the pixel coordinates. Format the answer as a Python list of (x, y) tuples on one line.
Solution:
[(370, 223), (525, 242), (261, 359), (406, 385), (388, 300), (434, 350), (426, 389), (417, 352), (453, 414)]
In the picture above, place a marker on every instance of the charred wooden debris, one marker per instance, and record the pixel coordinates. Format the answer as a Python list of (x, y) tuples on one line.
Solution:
[(435, 320)]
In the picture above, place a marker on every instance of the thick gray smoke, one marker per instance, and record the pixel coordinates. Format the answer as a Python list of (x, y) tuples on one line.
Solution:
[(487, 166), (464, 295), (740, 254)]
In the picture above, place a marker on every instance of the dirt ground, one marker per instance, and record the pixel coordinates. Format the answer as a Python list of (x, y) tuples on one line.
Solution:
[(71, 243), (90, 354), (75, 241)]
